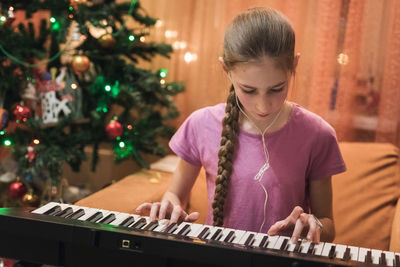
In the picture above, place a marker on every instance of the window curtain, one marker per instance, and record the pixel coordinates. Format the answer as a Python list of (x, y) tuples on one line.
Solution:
[(349, 65)]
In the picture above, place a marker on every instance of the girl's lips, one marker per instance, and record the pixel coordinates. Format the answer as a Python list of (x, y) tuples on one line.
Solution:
[(263, 115)]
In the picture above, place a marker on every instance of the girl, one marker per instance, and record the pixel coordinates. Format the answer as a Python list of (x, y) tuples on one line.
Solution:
[(268, 161)]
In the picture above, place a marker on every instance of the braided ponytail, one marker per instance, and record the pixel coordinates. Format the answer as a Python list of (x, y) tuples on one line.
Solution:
[(230, 126)]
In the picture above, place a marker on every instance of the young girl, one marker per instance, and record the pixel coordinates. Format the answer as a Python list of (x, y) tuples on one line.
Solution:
[(268, 161)]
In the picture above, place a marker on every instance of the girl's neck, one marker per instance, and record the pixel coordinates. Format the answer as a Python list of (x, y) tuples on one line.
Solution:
[(277, 124)]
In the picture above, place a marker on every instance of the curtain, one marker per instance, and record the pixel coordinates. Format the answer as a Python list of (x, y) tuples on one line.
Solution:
[(348, 71)]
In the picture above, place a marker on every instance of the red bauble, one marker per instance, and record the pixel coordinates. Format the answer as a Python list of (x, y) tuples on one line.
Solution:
[(21, 113), (114, 129), (17, 190)]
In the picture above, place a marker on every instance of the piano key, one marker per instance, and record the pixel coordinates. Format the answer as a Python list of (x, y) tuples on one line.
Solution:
[(88, 213), (195, 229), (382, 259), (308, 248), (368, 257), (272, 239), (237, 236), (318, 248), (52, 211), (76, 214), (171, 228), (204, 233), (375, 255), (45, 208), (139, 223), (127, 221), (108, 219), (362, 252), (263, 242), (326, 249), (346, 254), (229, 237), (121, 217), (297, 247), (396, 260), (95, 217), (64, 213), (389, 257), (258, 238), (340, 250), (281, 243), (249, 240), (184, 230), (151, 225), (332, 252), (245, 238), (217, 234)]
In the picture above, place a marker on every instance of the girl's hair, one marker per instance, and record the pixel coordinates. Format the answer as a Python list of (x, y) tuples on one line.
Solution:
[(252, 35)]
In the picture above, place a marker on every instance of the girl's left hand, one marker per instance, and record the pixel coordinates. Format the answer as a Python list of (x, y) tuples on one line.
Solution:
[(299, 221)]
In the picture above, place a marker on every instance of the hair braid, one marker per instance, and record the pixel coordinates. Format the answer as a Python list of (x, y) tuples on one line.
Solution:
[(230, 126)]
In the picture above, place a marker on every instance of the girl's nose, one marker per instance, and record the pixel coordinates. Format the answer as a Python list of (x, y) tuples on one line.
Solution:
[(263, 105)]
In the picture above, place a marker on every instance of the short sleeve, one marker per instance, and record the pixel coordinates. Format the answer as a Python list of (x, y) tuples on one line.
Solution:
[(326, 158), (184, 142)]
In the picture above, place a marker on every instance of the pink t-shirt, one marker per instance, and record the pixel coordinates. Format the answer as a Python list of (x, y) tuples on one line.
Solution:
[(305, 148)]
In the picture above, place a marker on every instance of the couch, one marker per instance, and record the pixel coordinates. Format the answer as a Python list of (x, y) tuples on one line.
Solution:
[(366, 206)]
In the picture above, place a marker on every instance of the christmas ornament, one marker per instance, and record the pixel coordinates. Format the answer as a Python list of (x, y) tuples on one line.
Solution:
[(97, 32), (114, 129), (3, 119), (107, 41), (11, 17), (80, 63), (51, 105), (30, 155), (17, 190), (21, 113), (30, 200)]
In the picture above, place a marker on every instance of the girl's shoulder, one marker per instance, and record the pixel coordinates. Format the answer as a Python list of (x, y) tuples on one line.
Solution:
[(309, 120), (214, 113)]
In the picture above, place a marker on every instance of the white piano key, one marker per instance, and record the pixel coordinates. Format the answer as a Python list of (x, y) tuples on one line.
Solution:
[(280, 241), (290, 246), (272, 239), (244, 237), (362, 252), (340, 249), (318, 248), (237, 236), (376, 254), (121, 216), (389, 257), (212, 232), (326, 249), (353, 253), (305, 245), (258, 238), (88, 212), (46, 207), (196, 228), (162, 224)]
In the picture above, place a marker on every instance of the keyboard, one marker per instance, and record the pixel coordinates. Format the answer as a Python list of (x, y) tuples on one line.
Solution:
[(69, 235)]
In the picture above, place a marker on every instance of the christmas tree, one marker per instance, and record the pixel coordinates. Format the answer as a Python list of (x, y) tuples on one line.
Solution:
[(75, 82)]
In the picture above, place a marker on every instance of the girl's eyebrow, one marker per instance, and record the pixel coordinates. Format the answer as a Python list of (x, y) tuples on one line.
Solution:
[(254, 88)]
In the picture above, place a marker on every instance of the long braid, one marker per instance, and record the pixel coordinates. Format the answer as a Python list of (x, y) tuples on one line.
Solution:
[(230, 126)]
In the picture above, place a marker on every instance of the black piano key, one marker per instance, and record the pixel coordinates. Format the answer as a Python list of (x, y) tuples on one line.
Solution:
[(217, 235), (185, 230), (230, 236), (250, 240), (128, 221), (77, 214), (95, 217), (139, 224), (332, 252), (204, 233), (172, 227), (264, 242), (382, 259), (151, 226), (108, 219), (396, 261), (298, 246), (53, 210), (284, 244), (368, 257), (64, 213), (310, 249), (346, 255)]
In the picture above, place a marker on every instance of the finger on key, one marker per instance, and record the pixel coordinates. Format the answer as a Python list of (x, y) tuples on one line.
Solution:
[(143, 207), (177, 213), (298, 228), (312, 234), (154, 211), (164, 208)]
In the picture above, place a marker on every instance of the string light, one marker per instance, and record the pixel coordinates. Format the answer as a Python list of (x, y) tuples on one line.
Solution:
[(74, 86), (52, 20), (179, 45), (171, 34), (190, 57), (131, 38), (162, 81), (142, 39), (121, 144), (36, 141), (7, 142), (129, 127), (159, 23), (3, 18), (163, 73), (107, 88)]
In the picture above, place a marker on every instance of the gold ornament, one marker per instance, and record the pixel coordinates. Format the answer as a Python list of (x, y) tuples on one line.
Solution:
[(30, 200), (80, 63), (107, 41)]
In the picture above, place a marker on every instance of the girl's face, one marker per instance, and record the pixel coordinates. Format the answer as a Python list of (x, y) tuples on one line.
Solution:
[(262, 89)]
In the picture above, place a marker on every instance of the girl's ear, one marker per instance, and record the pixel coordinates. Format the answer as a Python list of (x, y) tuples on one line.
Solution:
[(221, 61), (296, 61)]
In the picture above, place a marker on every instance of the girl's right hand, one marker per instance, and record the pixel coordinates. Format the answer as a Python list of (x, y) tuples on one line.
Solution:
[(166, 210)]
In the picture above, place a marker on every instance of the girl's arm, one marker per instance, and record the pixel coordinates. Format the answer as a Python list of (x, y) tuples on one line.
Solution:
[(321, 206), (174, 200), (303, 223)]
